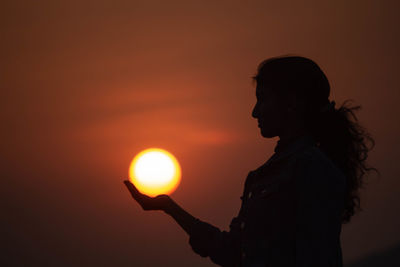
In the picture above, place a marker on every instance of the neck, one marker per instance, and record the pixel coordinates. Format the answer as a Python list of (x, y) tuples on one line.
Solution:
[(294, 127), (292, 134)]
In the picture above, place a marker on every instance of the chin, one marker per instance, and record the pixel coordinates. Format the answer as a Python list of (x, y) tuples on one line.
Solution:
[(268, 134)]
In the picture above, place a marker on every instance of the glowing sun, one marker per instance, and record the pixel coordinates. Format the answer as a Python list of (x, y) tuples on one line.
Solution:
[(155, 171)]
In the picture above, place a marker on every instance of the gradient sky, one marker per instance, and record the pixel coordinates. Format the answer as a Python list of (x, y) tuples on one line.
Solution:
[(85, 85)]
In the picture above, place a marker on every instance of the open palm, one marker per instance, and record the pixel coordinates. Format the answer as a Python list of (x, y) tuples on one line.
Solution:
[(159, 202)]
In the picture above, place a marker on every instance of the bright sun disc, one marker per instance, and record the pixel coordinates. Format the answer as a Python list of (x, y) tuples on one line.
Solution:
[(155, 171)]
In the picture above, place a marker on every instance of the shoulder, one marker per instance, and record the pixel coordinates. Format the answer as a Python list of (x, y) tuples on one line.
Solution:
[(315, 168)]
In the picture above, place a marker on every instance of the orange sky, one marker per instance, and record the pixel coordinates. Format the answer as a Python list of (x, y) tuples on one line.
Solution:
[(85, 85)]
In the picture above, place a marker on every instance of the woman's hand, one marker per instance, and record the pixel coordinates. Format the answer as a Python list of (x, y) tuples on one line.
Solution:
[(160, 202), (166, 204)]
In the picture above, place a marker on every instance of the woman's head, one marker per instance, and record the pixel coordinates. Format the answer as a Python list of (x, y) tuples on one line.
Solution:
[(293, 93), (290, 89)]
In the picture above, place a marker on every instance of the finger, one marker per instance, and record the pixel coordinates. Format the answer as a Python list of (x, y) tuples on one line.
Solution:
[(132, 189)]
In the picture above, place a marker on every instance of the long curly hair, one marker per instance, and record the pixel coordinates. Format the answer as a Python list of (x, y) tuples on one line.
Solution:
[(336, 130)]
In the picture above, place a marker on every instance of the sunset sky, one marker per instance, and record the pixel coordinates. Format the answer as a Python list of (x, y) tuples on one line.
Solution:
[(86, 85)]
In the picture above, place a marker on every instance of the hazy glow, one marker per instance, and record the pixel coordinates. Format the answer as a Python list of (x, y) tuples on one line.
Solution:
[(155, 171)]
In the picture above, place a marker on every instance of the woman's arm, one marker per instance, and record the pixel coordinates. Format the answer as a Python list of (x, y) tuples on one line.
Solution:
[(205, 239), (182, 217)]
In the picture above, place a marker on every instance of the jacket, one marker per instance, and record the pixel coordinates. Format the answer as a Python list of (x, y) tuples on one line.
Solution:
[(290, 214)]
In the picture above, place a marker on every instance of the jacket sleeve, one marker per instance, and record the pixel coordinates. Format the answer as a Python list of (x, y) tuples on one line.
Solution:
[(319, 205), (222, 247)]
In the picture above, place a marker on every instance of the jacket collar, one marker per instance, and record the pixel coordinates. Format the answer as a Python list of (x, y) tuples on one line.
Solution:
[(284, 149)]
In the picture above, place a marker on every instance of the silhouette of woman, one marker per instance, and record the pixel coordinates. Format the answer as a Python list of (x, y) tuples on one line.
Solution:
[(294, 205)]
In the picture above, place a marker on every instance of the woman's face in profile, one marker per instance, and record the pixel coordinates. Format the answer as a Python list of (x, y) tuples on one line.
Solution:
[(270, 111)]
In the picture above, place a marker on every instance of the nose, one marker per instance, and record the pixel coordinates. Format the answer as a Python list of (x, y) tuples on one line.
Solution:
[(254, 113)]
